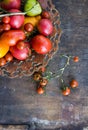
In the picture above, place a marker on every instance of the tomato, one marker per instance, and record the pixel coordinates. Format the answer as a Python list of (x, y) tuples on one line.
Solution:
[(20, 45), (28, 27), (6, 19), (43, 82), (40, 90), (37, 76), (76, 59), (4, 48), (6, 27), (66, 91), (2, 61), (11, 37), (41, 44), (74, 83), (45, 14), (8, 57)]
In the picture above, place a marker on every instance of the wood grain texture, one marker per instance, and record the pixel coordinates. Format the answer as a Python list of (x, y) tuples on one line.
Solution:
[(19, 103)]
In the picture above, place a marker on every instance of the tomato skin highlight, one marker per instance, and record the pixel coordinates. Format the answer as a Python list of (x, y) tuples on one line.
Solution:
[(41, 44)]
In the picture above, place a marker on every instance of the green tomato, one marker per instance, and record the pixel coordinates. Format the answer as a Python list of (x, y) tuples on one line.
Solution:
[(29, 5), (35, 10)]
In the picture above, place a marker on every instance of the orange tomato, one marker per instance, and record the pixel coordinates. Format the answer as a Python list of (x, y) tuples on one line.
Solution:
[(4, 48)]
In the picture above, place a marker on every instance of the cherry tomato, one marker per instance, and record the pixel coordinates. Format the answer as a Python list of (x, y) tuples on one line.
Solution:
[(45, 14), (76, 59), (40, 90), (43, 82), (28, 27), (6, 27), (2, 61), (20, 45), (74, 83), (6, 19), (41, 44), (37, 76), (66, 91), (8, 57)]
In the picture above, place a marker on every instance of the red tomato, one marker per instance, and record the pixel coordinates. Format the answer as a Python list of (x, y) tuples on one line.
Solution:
[(41, 44), (66, 91), (6, 19)]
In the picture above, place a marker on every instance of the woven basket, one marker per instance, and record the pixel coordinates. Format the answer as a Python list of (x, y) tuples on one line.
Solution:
[(36, 61)]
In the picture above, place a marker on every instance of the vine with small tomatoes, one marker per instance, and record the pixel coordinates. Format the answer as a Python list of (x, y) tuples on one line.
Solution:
[(43, 76)]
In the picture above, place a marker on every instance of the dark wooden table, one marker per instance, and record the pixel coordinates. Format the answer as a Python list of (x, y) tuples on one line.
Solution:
[(20, 104)]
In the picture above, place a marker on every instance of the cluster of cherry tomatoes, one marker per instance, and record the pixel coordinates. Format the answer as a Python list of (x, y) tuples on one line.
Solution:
[(43, 81)]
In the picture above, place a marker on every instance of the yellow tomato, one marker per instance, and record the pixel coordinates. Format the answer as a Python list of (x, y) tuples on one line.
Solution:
[(33, 20), (4, 48)]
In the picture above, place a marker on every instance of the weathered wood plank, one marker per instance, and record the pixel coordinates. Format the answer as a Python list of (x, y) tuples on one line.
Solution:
[(13, 127)]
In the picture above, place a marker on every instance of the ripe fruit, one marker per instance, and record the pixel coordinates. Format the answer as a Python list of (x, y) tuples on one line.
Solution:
[(16, 21), (41, 44), (66, 91), (4, 48), (43, 82), (11, 37), (19, 54), (6, 27), (76, 58), (37, 76), (45, 14), (28, 27), (45, 27), (8, 57), (6, 19), (2, 61), (40, 90), (74, 83), (10, 4)]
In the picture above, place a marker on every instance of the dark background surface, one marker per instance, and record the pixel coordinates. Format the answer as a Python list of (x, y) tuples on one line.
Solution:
[(19, 102)]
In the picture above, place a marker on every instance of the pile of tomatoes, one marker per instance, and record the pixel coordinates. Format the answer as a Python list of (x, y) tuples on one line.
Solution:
[(15, 31)]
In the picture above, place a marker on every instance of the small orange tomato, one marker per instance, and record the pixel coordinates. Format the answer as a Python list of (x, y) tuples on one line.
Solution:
[(37, 76), (74, 83), (43, 82), (45, 14), (66, 91), (2, 61), (20, 45), (6, 27), (8, 57), (76, 59), (6, 19), (40, 90)]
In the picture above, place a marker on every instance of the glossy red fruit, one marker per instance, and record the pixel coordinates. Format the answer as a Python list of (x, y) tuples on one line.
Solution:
[(6, 27), (74, 83), (45, 14), (66, 91), (10, 4), (16, 21), (45, 27), (40, 90), (6, 19), (28, 27), (41, 44)]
